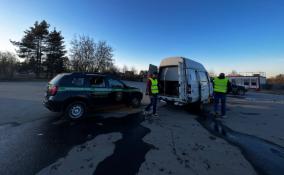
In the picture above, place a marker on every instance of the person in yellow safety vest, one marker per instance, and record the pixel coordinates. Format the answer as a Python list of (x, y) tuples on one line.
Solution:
[(152, 90), (221, 87)]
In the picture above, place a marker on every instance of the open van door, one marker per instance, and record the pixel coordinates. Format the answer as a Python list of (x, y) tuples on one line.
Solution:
[(193, 85), (204, 86), (182, 81)]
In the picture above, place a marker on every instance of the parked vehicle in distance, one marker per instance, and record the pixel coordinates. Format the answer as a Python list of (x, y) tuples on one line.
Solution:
[(77, 93), (238, 89), (184, 81)]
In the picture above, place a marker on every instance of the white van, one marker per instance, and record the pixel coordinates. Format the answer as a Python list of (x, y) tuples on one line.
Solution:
[(184, 81)]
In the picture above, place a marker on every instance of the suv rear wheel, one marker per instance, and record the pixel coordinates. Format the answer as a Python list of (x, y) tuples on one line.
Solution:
[(76, 110)]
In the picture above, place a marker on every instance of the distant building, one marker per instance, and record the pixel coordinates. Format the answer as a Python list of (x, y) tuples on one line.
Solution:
[(250, 80)]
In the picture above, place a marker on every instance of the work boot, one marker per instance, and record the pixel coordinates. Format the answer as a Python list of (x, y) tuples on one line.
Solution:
[(146, 112), (216, 114), (155, 115)]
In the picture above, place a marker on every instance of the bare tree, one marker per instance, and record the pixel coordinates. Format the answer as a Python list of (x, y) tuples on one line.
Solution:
[(134, 70), (103, 57), (278, 79), (212, 73), (113, 69), (8, 63), (234, 72), (124, 69), (88, 56), (82, 53)]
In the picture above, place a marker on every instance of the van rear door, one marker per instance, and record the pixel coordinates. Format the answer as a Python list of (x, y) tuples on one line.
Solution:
[(193, 85), (182, 81), (204, 86)]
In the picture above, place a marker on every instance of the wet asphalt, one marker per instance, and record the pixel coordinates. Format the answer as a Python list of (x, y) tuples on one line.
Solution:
[(266, 157), (27, 148)]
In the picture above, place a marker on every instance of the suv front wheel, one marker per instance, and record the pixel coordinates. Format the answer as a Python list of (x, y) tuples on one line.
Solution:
[(135, 102), (76, 110)]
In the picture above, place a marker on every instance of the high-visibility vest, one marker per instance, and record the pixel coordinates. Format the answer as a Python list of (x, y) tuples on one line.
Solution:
[(220, 85), (154, 86)]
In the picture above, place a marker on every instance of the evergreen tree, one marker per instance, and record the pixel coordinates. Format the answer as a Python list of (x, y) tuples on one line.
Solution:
[(33, 44), (55, 52)]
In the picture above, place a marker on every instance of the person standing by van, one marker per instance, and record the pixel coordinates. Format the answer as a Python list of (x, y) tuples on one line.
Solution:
[(152, 90), (221, 87)]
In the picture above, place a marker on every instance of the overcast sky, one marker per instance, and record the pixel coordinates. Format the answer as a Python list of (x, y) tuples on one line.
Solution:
[(224, 35)]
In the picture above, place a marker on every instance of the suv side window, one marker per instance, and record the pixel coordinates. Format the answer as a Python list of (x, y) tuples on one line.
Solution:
[(97, 82), (115, 83), (77, 81)]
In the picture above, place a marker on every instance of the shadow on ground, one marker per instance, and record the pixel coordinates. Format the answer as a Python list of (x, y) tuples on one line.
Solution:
[(38, 144), (266, 157)]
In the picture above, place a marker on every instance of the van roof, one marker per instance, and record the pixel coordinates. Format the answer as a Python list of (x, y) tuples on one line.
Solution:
[(174, 61)]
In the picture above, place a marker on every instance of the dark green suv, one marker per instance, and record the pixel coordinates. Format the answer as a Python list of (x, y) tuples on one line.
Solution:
[(77, 93)]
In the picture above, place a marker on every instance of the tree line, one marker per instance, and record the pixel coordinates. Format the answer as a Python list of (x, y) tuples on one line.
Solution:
[(278, 79), (44, 53)]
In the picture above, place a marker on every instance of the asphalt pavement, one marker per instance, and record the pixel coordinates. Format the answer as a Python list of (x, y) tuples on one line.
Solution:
[(119, 140)]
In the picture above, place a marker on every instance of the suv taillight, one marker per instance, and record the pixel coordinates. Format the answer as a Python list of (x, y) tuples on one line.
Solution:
[(53, 90)]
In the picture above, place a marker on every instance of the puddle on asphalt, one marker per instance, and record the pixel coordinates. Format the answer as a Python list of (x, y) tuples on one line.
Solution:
[(266, 157), (129, 151)]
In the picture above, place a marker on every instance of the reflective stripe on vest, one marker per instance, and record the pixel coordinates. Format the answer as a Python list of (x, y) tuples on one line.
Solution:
[(154, 86), (220, 85)]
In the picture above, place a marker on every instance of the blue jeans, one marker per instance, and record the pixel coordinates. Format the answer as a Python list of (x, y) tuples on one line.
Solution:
[(154, 99), (217, 98)]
